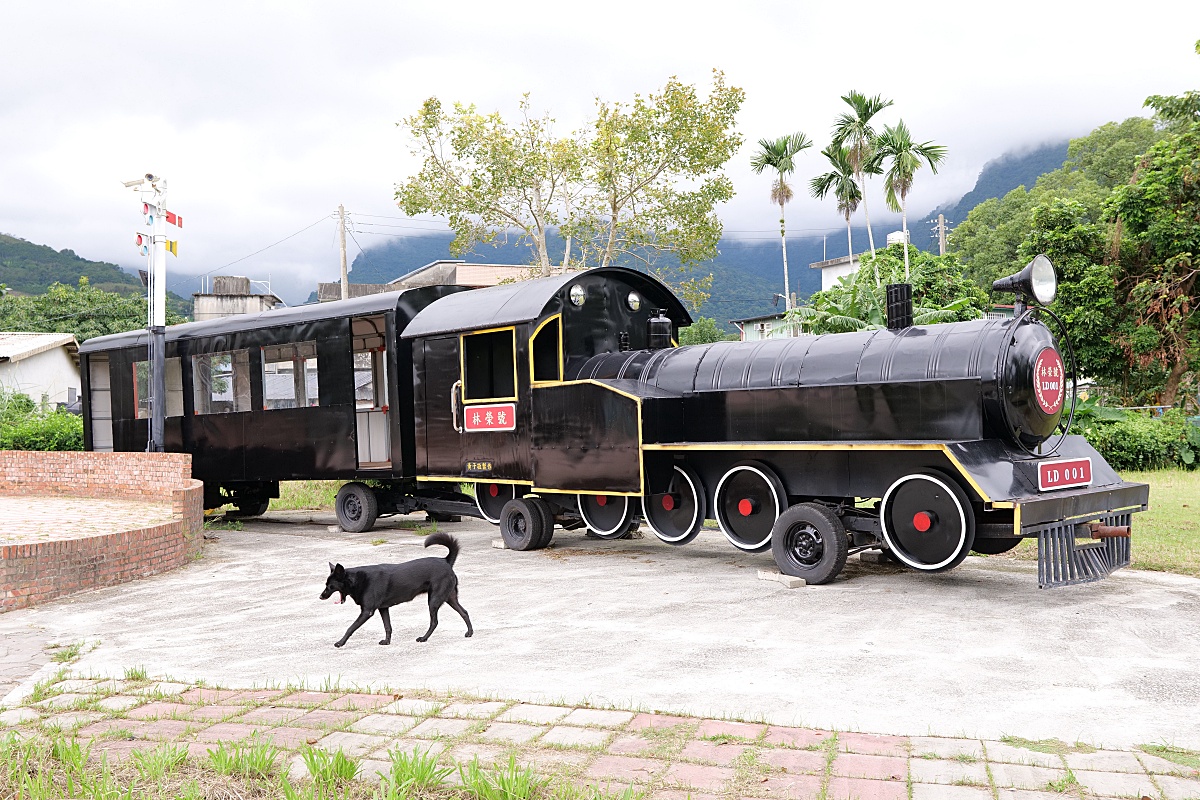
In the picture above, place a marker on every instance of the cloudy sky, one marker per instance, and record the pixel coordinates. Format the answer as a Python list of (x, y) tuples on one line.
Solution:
[(265, 116)]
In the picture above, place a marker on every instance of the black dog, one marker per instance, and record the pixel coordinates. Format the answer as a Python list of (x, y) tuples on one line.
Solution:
[(381, 586)]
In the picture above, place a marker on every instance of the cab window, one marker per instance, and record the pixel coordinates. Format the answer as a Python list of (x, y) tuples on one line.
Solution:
[(546, 349), (489, 365)]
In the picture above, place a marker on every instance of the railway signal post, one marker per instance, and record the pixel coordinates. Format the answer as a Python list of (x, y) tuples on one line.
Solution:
[(154, 245)]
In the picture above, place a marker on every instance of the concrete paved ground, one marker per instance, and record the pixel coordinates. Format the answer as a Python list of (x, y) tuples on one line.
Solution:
[(977, 652)]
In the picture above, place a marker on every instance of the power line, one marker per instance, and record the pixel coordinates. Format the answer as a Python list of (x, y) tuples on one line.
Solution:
[(256, 252)]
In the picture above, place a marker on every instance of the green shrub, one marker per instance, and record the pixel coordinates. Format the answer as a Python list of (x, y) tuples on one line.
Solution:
[(24, 427), (1143, 442)]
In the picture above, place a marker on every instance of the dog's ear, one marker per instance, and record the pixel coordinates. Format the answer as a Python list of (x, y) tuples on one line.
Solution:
[(331, 567), (338, 570)]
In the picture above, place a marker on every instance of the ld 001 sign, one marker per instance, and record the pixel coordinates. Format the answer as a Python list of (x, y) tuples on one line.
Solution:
[(1064, 474)]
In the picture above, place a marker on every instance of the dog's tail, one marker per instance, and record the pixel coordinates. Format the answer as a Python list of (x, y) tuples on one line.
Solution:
[(447, 541)]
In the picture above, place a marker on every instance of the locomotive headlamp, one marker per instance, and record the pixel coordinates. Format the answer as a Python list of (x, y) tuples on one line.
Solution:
[(633, 301), (578, 294), (1037, 280)]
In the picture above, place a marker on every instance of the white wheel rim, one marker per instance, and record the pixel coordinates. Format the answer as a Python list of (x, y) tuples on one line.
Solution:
[(887, 536), (721, 517), (600, 531), (478, 486), (695, 511)]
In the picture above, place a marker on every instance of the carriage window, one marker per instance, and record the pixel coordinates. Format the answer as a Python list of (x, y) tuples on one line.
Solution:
[(547, 363), (489, 365), (222, 382), (290, 376), (141, 388)]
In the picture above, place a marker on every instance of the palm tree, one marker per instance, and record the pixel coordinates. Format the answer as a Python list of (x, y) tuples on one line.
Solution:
[(840, 181), (779, 155), (853, 131), (897, 146)]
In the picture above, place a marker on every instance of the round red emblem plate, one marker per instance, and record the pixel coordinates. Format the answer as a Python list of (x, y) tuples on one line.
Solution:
[(1048, 377)]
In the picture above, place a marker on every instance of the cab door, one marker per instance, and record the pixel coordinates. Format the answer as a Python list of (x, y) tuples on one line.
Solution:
[(439, 427)]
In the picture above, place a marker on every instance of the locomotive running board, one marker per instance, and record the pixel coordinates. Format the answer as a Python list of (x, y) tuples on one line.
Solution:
[(1064, 562)]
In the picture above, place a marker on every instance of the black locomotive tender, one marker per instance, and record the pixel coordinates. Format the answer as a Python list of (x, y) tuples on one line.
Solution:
[(565, 400)]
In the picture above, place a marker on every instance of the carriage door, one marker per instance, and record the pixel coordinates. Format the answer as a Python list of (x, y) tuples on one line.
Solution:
[(100, 403), (370, 392)]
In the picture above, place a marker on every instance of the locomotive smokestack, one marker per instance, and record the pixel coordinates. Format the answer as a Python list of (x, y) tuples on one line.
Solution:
[(658, 331), (899, 306)]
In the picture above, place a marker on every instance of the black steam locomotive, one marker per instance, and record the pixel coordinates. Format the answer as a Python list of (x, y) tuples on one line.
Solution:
[(565, 400)]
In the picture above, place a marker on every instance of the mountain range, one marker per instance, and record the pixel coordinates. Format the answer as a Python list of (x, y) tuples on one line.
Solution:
[(747, 272)]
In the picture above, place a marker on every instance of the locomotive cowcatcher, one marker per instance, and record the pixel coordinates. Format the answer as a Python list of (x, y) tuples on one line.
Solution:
[(566, 401)]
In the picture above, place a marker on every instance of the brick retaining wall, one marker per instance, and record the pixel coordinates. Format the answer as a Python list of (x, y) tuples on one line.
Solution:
[(33, 573)]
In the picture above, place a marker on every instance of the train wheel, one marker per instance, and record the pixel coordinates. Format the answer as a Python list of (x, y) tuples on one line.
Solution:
[(749, 498), (543, 508), (994, 547), (927, 521), (677, 516), (356, 507), (491, 497), (250, 508), (606, 515), (809, 541), (522, 525)]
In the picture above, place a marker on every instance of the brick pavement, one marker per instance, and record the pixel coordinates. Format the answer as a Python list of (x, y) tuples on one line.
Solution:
[(26, 519), (666, 757)]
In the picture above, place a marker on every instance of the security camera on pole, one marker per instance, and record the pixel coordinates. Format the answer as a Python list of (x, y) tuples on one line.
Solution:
[(154, 245)]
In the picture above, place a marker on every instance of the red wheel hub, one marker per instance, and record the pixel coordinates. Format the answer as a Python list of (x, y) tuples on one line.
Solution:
[(922, 521), (668, 503), (601, 500), (745, 506), (493, 490)]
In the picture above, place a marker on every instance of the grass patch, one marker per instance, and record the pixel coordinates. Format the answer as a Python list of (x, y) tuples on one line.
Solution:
[(1067, 783), (306, 495), (1177, 755), (135, 673), (1167, 537), (1055, 747), (220, 524), (67, 654)]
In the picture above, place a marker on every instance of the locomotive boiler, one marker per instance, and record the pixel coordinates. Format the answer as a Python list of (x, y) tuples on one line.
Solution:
[(565, 401)]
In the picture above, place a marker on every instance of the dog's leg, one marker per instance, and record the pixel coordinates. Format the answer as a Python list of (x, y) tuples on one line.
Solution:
[(386, 616), (462, 612), (363, 616), (434, 604)]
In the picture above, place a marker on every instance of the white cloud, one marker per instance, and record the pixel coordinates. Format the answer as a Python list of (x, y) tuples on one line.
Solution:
[(265, 116)]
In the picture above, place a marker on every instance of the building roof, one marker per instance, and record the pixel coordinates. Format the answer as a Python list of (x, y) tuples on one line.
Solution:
[(16, 346), (776, 315), (834, 262)]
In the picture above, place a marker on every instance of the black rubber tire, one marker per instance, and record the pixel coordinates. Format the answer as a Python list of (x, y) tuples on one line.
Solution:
[(356, 507), (522, 525), (994, 547), (249, 508), (543, 508), (809, 541), (935, 479)]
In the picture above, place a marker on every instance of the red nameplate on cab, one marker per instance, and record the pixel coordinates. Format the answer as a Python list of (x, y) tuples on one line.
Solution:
[(1064, 474), (495, 417)]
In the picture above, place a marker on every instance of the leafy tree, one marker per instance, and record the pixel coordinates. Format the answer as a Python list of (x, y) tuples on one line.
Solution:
[(84, 311), (779, 155), (489, 178), (1157, 239), (897, 145), (853, 131), (702, 331), (839, 180), (1109, 153), (1181, 110), (642, 180), (941, 293)]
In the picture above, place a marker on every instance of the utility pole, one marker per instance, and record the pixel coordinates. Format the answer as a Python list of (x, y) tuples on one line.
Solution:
[(155, 246), (941, 234), (342, 240)]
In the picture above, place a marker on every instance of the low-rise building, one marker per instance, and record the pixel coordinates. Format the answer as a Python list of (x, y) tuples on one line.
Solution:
[(445, 272), (44, 366), (231, 295)]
